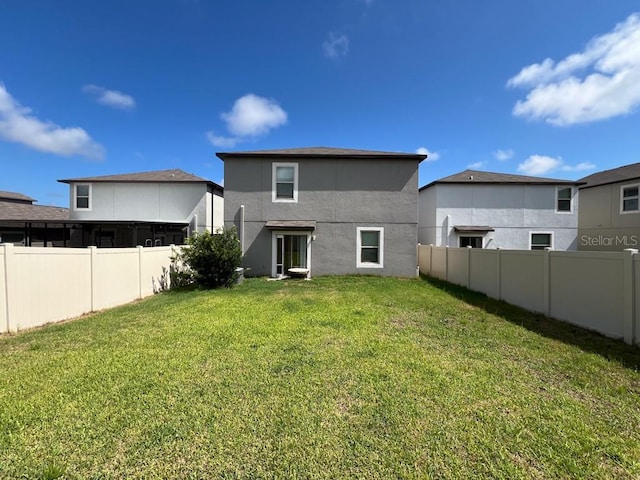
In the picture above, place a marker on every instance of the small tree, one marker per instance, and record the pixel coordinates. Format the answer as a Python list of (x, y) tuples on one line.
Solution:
[(213, 258)]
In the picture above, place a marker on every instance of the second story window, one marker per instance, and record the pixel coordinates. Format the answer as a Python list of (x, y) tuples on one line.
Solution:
[(82, 197), (285, 182), (563, 199), (629, 199)]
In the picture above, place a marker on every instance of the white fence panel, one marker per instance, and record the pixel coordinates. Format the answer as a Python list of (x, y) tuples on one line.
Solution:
[(484, 271), (636, 299), (46, 285), (43, 285), (458, 266), (151, 266), (522, 278), (595, 290), (439, 262), (588, 290), (4, 327), (424, 259)]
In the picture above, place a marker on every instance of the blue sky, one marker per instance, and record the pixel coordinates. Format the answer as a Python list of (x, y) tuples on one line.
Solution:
[(544, 87)]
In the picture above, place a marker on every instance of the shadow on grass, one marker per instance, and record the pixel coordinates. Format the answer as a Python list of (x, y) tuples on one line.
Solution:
[(586, 340)]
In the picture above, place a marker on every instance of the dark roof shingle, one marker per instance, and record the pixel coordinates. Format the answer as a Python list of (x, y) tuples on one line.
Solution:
[(615, 175), (26, 212), (15, 196), (322, 152), (173, 175), (480, 177)]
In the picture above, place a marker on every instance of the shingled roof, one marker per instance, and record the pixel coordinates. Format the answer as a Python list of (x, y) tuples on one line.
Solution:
[(170, 176), (323, 152), (25, 212), (15, 197), (492, 178), (615, 175)]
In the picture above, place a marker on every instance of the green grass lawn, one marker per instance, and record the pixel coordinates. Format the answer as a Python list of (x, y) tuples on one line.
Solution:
[(338, 377)]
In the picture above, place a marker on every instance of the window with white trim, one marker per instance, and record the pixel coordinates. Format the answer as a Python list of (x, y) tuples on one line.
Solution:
[(370, 248), (629, 198), (541, 240), (82, 196), (473, 241), (563, 199), (285, 182)]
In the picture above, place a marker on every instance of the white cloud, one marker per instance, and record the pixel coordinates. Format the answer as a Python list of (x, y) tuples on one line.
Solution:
[(336, 46), (601, 82), (542, 164), (251, 116), (220, 141), (431, 156), (475, 165), (111, 98), (503, 155), (17, 124)]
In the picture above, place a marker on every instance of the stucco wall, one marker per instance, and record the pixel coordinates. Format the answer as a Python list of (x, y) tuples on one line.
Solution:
[(514, 211), (601, 225), (157, 202), (340, 195)]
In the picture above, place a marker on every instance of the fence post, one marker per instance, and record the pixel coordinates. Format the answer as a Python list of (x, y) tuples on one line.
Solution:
[(628, 296), (8, 263), (446, 263), (546, 282), (140, 254), (499, 269), (469, 267), (94, 276)]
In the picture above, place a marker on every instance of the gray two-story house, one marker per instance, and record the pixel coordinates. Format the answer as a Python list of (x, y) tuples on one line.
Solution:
[(320, 211)]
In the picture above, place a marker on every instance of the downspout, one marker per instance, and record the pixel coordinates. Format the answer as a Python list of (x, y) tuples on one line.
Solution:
[(242, 229)]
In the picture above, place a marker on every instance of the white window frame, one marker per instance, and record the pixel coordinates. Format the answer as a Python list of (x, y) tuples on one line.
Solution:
[(361, 264), (75, 197), (481, 237), (274, 182), (570, 199), (622, 198), (541, 233)]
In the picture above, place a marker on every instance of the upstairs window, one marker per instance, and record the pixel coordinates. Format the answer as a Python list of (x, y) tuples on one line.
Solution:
[(285, 182), (370, 250), (563, 199), (540, 241), (82, 197), (629, 199)]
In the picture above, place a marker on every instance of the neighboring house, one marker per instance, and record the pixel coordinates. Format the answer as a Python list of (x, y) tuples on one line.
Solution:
[(23, 223), (496, 210), (609, 216), (322, 211), (147, 208)]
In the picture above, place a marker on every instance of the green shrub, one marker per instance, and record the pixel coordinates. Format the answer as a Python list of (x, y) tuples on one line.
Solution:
[(213, 258)]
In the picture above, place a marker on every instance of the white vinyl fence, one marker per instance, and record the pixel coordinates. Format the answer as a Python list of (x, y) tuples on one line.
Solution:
[(41, 285), (595, 290)]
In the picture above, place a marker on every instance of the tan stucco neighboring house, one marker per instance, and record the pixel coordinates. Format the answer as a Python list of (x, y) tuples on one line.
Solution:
[(609, 216), (23, 223)]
